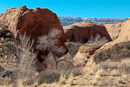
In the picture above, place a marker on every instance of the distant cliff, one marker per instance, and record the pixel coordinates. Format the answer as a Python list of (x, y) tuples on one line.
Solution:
[(70, 20)]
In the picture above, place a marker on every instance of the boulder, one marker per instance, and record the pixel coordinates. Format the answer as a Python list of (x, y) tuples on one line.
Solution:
[(82, 31), (35, 22)]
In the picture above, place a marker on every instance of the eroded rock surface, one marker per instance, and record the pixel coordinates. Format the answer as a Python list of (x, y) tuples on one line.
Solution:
[(82, 31)]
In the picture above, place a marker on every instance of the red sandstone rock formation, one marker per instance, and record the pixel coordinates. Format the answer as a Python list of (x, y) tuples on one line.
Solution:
[(82, 31), (35, 22)]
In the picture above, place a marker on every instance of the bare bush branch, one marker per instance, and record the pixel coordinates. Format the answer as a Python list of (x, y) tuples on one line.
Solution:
[(49, 42), (98, 39), (20, 58)]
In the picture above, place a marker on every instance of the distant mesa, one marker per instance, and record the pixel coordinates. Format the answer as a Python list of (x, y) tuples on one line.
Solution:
[(65, 21)]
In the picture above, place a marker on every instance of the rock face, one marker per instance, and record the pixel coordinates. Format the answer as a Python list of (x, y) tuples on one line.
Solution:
[(80, 59), (124, 36), (84, 53), (35, 22), (113, 29), (82, 31), (125, 32)]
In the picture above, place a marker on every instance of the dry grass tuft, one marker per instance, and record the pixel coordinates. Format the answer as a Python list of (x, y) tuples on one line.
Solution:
[(94, 82), (70, 80), (115, 72), (62, 79)]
